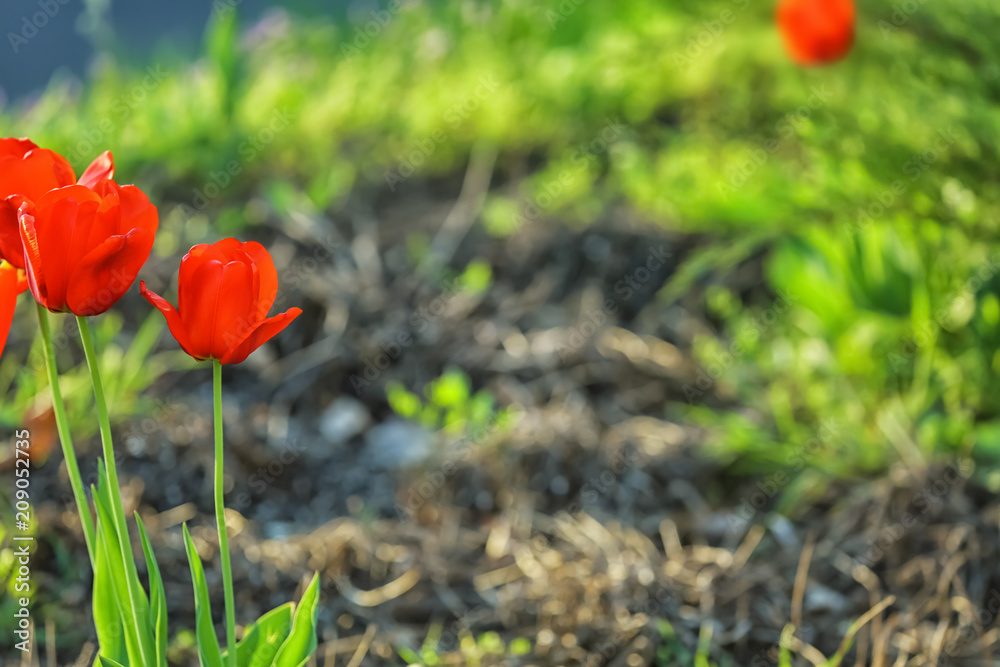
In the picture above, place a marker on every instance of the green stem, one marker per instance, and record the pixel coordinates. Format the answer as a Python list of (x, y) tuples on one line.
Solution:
[(118, 511), (220, 518), (65, 439)]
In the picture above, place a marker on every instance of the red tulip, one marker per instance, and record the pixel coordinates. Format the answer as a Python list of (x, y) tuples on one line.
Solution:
[(12, 283), (816, 32), (84, 247), (224, 294), (26, 173)]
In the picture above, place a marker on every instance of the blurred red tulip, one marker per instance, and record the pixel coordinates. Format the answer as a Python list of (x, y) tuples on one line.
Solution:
[(84, 247), (224, 294), (816, 32), (12, 283), (26, 173)]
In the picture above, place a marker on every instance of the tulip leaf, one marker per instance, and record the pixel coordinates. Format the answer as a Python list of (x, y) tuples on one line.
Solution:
[(273, 628), (108, 662), (301, 642), (158, 599), (107, 619), (264, 637), (112, 555), (134, 605), (208, 643), (244, 647)]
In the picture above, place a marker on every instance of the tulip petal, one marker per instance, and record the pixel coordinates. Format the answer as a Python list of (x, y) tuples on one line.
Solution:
[(197, 300), (102, 168), (52, 228), (198, 280), (103, 276), (268, 277), (10, 236), (11, 146), (137, 211), (260, 334), (11, 284), (37, 172), (228, 247), (234, 314), (174, 322)]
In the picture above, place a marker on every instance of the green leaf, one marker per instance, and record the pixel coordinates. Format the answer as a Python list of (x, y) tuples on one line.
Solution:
[(477, 277), (262, 639), (401, 401), (222, 45), (158, 599), (450, 390), (110, 549), (133, 603), (301, 643), (107, 619), (244, 647), (108, 662), (409, 655), (208, 643)]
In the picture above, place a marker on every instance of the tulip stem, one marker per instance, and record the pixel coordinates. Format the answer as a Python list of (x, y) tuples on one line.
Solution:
[(118, 512), (220, 518), (65, 439)]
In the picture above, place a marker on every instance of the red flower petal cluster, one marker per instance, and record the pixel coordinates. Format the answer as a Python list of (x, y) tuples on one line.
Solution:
[(83, 247), (225, 292), (816, 32), (26, 173)]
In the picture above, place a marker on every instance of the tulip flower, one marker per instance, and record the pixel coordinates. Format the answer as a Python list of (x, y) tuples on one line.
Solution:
[(83, 247), (12, 283), (26, 173), (816, 32), (224, 294)]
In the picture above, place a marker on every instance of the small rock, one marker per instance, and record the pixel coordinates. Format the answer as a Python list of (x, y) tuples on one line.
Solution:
[(280, 530), (344, 419), (821, 598), (396, 444)]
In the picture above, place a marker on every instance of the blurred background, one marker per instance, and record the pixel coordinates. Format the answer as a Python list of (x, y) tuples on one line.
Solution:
[(626, 341)]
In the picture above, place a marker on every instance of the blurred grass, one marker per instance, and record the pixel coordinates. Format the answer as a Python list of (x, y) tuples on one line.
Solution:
[(870, 187)]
